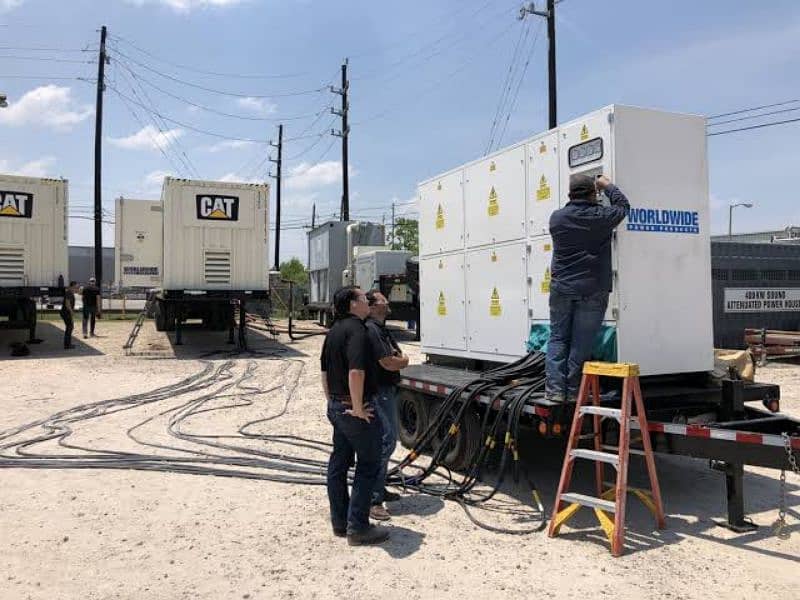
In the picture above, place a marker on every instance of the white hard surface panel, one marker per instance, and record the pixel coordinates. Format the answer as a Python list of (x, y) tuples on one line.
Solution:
[(441, 208), (442, 307), (544, 187), (540, 258), (138, 243), (494, 198), (497, 303)]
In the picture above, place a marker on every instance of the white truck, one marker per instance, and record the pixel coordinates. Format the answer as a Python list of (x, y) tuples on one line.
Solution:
[(33, 247)]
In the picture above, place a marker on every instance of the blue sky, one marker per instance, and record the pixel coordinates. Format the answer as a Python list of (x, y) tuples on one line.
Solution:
[(426, 80)]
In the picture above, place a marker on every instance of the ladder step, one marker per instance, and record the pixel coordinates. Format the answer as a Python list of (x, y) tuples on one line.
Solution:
[(603, 411), (616, 449), (592, 501), (605, 457)]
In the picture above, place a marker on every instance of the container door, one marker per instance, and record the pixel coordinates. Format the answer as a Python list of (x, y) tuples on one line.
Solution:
[(541, 255), (494, 199), (441, 207), (442, 309), (497, 303), (585, 148), (544, 193)]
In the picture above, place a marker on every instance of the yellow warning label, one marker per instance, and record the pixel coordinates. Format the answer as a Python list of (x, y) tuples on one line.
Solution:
[(494, 304), (492, 167), (547, 247), (494, 256), (439, 218), (441, 310), (542, 148), (543, 193), (546, 281), (584, 133), (494, 207), (439, 187)]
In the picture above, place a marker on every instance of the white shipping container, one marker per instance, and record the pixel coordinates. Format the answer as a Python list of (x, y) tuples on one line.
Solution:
[(33, 231), (138, 243), (215, 235), (661, 298)]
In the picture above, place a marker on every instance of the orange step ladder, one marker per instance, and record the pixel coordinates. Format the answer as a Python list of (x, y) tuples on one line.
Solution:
[(611, 500)]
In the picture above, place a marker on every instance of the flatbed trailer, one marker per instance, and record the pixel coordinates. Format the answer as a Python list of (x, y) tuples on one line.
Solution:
[(687, 416), (18, 306), (216, 309)]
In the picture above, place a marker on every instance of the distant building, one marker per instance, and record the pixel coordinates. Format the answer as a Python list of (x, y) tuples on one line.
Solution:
[(81, 264), (789, 235)]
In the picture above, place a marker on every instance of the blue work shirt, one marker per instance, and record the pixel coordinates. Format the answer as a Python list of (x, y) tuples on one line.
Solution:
[(581, 233)]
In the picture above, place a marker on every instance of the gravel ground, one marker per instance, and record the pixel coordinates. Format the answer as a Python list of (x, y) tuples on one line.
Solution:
[(102, 533)]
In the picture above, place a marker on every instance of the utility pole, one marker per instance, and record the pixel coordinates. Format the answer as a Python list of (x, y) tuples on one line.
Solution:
[(313, 215), (279, 146), (343, 133), (102, 59), (550, 15), (392, 246)]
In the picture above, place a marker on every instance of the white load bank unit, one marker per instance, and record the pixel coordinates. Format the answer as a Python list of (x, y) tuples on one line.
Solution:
[(492, 215), (138, 243)]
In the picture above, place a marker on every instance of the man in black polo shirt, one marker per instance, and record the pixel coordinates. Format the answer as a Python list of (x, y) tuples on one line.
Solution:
[(91, 308), (348, 378), (390, 361)]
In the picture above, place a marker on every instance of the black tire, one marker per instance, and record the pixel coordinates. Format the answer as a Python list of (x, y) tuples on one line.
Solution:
[(413, 413), (160, 317), (463, 445)]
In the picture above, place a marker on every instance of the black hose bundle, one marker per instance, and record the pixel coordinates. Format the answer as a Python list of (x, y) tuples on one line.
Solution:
[(509, 387)]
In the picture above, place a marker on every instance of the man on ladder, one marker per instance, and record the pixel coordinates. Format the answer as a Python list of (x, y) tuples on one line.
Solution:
[(580, 279)]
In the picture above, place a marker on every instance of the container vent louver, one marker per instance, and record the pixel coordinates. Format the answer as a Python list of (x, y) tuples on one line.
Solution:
[(217, 266), (12, 266)]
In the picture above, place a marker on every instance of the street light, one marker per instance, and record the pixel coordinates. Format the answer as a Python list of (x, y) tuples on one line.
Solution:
[(730, 216)]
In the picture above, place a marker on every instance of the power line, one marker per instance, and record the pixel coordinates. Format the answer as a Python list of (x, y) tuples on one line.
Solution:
[(215, 111), (46, 59), (744, 110), (46, 77), (754, 127), (216, 91), (758, 116), (201, 71), (39, 49)]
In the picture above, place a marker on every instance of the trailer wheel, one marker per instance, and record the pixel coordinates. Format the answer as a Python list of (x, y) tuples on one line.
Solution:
[(413, 412), (463, 445), (160, 317)]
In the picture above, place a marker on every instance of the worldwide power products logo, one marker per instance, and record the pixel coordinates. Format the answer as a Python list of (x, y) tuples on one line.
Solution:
[(16, 205), (217, 208), (664, 220)]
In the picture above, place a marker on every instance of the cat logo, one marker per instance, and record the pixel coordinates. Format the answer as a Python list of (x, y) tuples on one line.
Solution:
[(217, 208), (18, 205)]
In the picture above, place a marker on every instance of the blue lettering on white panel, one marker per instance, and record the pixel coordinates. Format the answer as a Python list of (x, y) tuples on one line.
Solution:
[(663, 220)]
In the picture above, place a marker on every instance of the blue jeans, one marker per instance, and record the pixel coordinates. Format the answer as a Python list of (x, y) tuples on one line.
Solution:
[(354, 442), (89, 315), (574, 323), (386, 410)]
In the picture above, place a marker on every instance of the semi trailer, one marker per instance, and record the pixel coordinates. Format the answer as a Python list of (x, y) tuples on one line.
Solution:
[(33, 247), (484, 282)]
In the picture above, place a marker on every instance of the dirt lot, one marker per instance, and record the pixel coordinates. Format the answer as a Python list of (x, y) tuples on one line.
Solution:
[(102, 533)]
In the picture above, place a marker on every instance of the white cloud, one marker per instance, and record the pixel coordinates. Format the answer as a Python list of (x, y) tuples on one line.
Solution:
[(236, 178), (229, 145), (306, 176), (7, 5), (185, 6), (48, 105), (154, 180), (148, 138), (258, 105), (33, 168)]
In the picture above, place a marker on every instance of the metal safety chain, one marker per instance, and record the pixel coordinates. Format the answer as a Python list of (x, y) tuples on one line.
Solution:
[(779, 526)]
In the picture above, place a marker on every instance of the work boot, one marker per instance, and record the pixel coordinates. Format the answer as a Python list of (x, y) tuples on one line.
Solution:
[(373, 535), (340, 532), (390, 496), (379, 513)]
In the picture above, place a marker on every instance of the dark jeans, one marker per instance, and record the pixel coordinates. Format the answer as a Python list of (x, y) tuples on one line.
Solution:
[(69, 325), (574, 323), (354, 442), (386, 410), (89, 314)]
